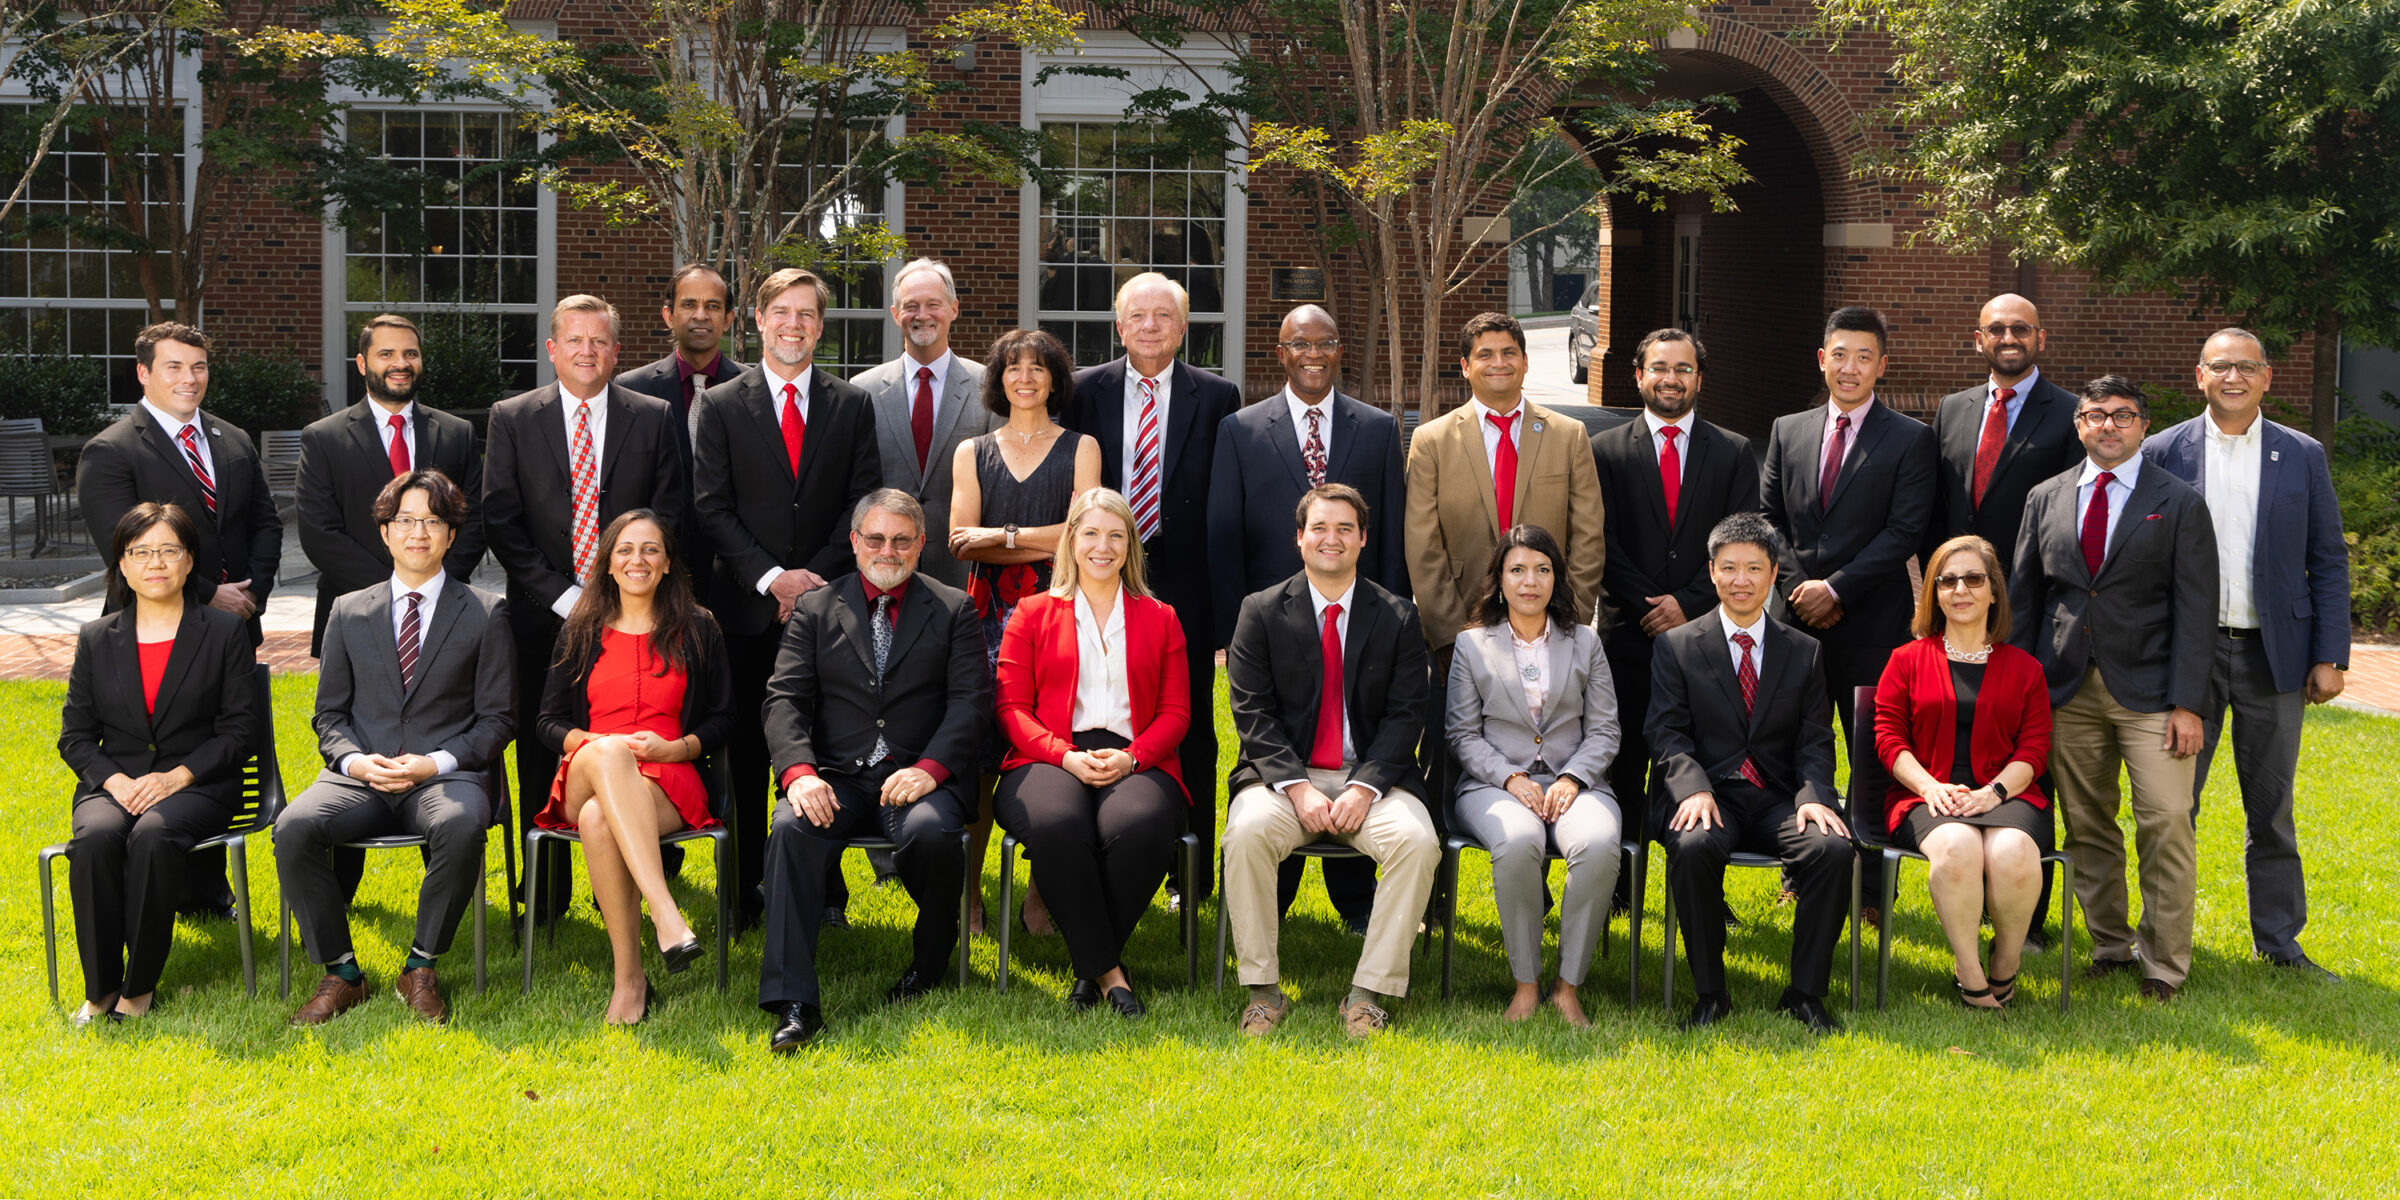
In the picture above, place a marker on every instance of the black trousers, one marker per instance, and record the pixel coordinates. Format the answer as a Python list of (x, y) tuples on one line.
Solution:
[(1761, 823), (1098, 854), (749, 809), (802, 858), (125, 874)]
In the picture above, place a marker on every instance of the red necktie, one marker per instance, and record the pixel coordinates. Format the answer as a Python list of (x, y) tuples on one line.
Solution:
[(191, 454), (1670, 470), (585, 514), (1504, 469), (1833, 461), (1144, 494), (1995, 435), (795, 426), (1748, 674), (1326, 754), (399, 445), (2095, 525), (920, 416)]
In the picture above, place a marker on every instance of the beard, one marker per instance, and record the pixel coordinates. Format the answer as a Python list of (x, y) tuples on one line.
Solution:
[(1670, 407), (886, 576), (380, 387)]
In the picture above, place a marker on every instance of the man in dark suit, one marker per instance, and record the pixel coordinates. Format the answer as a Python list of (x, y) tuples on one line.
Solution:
[(1665, 482), (417, 700), (1998, 439), (560, 462), (875, 717), (1738, 722), (927, 401), (698, 314), (1267, 455), (1156, 421), (2283, 615), (347, 458), (783, 453), (2115, 592), (1328, 681), (168, 451)]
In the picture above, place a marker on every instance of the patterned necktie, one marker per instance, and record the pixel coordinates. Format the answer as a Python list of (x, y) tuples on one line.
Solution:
[(1145, 464), (1325, 754), (795, 427), (920, 416), (585, 537), (410, 631), (2095, 525), (1748, 674), (191, 454), (1670, 470), (1312, 455), (1995, 435), (881, 624), (399, 451), (1504, 468), (1834, 449)]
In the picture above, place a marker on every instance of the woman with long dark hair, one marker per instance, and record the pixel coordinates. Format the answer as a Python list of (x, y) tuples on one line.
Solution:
[(638, 692)]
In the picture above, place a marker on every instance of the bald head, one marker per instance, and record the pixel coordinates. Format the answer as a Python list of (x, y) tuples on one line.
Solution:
[(1310, 349), (2008, 334)]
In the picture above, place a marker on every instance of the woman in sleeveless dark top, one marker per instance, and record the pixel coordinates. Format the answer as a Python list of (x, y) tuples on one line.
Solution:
[(1008, 503)]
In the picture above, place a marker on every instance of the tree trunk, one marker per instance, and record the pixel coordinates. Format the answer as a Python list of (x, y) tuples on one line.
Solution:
[(2324, 375)]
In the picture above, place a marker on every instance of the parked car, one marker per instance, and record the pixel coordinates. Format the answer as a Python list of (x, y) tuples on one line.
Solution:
[(1583, 332)]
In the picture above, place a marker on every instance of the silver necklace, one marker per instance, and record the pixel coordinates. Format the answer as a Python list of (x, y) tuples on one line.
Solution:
[(1966, 656), (1026, 439)]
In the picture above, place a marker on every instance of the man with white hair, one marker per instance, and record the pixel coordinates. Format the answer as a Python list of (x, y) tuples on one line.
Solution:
[(926, 404)]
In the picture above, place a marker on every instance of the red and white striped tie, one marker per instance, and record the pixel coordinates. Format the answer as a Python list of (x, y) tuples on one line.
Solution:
[(1144, 481)]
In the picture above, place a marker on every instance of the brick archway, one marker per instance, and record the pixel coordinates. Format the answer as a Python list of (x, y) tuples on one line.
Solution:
[(1828, 123)]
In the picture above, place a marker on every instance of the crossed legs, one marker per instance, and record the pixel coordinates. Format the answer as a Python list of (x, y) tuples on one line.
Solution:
[(621, 815)]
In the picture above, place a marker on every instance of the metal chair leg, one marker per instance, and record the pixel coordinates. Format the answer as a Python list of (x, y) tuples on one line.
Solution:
[(483, 896), (2066, 928), (1633, 925), (724, 910), (238, 859), (1883, 940), (1191, 912), (1449, 870), (966, 841), (1854, 903), (1008, 876), (43, 868), (1666, 965), (533, 880), (1222, 922), (283, 982)]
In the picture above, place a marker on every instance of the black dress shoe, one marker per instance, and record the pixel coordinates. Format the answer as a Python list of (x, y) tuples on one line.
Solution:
[(836, 918), (913, 983), (1125, 1002), (680, 955), (2306, 968), (1085, 995), (1809, 1011), (1709, 1009), (212, 911), (801, 1023)]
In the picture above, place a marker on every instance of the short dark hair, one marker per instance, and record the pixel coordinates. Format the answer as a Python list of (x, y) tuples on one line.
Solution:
[(1045, 349), (1490, 322), (1858, 318), (366, 332), (137, 521), (145, 343), (1341, 492), (1641, 349), (1491, 607), (686, 271), (441, 495), (2113, 385), (1747, 528)]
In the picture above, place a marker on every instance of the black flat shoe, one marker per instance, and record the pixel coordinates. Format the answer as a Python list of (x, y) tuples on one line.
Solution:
[(913, 983), (1084, 996), (680, 955), (801, 1024), (1125, 1002), (1708, 1010)]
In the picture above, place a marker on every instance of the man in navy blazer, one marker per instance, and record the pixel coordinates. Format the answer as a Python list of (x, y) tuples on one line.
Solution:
[(2283, 614), (1268, 456)]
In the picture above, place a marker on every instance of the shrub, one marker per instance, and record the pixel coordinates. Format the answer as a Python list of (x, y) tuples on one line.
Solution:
[(462, 361), (263, 391), (2366, 480), (69, 394)]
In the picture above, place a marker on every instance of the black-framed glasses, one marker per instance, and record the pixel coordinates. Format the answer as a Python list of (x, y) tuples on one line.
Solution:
[(901, 543), (2122, 418), (2018, 330), (1972, 581)]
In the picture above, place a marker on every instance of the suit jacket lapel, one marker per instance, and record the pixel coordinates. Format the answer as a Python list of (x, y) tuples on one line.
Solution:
[(961, 390), (1108, 422), (549, 417), (1285, 440), (1719, 654), (1530, 431), (1770, 669), (1500, 658), (385, 642), (1812, 470), (891, 425), (126, 670), (2147, 492), (1865, 439), (766, 410), (179, 659), (916, 612), (1183, 417), (1468, 440), (620, 424), (851, 615), (366, 430), (155, 436), (1651, 485), (1344, 414), (429, 640), (1300, 616), (1556, 674), (2030, 411)]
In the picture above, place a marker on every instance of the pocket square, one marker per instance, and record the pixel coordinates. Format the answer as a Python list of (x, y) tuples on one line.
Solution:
[(2155, 517)]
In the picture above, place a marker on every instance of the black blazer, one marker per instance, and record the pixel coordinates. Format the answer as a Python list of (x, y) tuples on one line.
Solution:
[(754, 513), (207, 718), (133, 462), (661, 380), (2149, 621), (2041, 444), (1176, 560), (1696, 728), (343, 467), (707, 694), (1275, 670), (1861, 545), (529, 484), (1257, 479), (1646, 556), (825, 708), (463, 700)]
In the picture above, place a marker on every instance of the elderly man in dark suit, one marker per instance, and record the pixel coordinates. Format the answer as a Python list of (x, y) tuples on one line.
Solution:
[(783, 452), (1998, 439), (875, 716), (560, 462), (1745, 753), (1267, 455), (2115, 592), (1156, 420), (2283, 615), (926, 403), (417, 700), (698, 314)]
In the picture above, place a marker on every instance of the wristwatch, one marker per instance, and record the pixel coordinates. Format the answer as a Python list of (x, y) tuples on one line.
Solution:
[(1998, 788), (1012, 537)]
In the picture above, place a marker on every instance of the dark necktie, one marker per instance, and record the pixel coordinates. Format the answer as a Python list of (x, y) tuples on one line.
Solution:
[(1835, 447), (920, 416), (1325, 753), (1748, 674), (410, 631), (1995, 435), (881, 623), (1670, 470), (2095, 525), (1312, 453)]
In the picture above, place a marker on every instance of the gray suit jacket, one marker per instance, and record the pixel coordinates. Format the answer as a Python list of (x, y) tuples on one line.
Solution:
[(960, 416), (464, 699), (1494, 734), (2149, 621)]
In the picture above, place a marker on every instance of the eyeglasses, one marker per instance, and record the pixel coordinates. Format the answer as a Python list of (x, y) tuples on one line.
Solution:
[(2122, 418), (1662, 370), (165, 556), (2020, 330), (418, 524), (2246, 368), (1972, 581), (901, 543), (1328, 346)]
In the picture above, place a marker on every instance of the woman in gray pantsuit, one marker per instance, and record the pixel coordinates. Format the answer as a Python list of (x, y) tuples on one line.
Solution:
[(1533, 720)]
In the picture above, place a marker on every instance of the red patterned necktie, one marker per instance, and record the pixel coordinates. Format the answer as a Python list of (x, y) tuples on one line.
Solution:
[(1995, 435), (1834, 450), (399, 451), (920, 416), (1504, 468), (586, 532), (409, 633), (2095, 524), (795, 427), (191, 454), (1326, 753), (1670, 470), (1145, 465), (1748, 674), (1312, 455)]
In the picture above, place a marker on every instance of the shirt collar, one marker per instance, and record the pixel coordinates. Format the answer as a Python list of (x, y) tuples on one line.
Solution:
[(776, 383), (940, 367), (2025, 386), (1653, 420), (433, 587), (2247, 437), (898, 592), (1538, 639), (1858, 416), (167, 420), (407, 413), (2128, 472), (1318, 599), (1757, 631), (1301, 407), (1484, 411), (598, 400), (685, 370)]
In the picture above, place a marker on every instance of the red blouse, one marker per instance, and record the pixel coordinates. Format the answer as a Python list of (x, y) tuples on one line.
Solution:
[(154, 670), (1035, 681), (1916, 710)]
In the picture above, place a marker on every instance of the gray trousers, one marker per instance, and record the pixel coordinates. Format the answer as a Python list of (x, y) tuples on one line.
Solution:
[(1587, 835), (2266, 757), (449, 811)]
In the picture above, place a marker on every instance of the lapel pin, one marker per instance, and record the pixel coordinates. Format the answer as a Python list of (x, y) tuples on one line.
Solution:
[(2274, 456), (213, 431), (1537, 426)]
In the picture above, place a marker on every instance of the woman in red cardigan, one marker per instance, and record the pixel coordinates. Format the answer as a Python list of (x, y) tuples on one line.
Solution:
[(1092, 696), (1962, 722)]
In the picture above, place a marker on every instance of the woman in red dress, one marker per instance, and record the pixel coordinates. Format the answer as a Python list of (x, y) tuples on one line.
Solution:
[(638, 692)]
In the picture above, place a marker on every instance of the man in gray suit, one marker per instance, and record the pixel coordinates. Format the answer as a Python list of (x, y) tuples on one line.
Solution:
[(2283, 615), (416, 701), (926, 404), (2115, 592)]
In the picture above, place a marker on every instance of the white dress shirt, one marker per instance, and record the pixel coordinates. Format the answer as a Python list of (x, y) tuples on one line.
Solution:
[(408, 429), (1758, 641), (598, 421), (2230, 483), (1324, 411), (444, 762), (1683, 440), (775, 385), (1533, 667), (2120, 490), (1491, 433), (1133, 421), (174, 430), (1103, 693), (1319, 602)]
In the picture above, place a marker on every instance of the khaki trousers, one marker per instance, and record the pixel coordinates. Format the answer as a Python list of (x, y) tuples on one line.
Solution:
[(1262, 829), (2091, 736)]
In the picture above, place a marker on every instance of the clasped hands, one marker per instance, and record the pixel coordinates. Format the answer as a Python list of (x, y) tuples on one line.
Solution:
[(1319, 813), (1816, 604), (1547, 803), (815, 799), (1959, 800), (392, 773), (138, 796)]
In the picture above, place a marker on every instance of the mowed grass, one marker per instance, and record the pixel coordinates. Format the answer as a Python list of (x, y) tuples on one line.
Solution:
[(2251, 1082)]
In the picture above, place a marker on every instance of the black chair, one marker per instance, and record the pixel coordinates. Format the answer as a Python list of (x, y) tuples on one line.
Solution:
[(495, 790), (965, 894), (261, 800), (717, 773), (1188, 851), (1868, 785), (1632, 844), (1744, 858)]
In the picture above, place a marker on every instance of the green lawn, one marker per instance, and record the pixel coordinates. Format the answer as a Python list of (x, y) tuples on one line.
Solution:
[(2251, 1082)]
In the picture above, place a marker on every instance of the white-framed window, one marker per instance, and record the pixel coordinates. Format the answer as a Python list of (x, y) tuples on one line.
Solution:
[(859, 333)]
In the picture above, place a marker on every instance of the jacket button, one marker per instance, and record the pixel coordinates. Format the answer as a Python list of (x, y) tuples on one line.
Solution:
[(1670, 554), (1537, 739), (2095, 592), (879, 722)]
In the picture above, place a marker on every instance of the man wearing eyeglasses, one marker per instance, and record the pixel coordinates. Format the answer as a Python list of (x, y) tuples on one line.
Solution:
[(2003, 436), (2114, 591), (2283, 615)]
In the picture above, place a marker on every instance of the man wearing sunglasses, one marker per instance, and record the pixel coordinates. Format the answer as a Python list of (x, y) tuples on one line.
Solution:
[(2001, 437)]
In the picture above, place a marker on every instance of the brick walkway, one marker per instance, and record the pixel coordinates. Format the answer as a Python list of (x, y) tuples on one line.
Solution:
[(48, 655)]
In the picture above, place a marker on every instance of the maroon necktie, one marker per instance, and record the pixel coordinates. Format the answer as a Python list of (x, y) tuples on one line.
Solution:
[(1833, 461), (1748, 674), (1504, 468), (1995, 435), (920, 416), (1670, 470), (399, 445), (410, 630), (2095, 525), (1326, 754)]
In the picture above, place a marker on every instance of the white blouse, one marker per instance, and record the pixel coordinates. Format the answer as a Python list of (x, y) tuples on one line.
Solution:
[(1533, 666), (1103, 696)]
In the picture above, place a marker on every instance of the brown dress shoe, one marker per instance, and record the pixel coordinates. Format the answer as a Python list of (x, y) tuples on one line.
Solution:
[(1364, 1020), (423, 995), (334, 997), (2159, 990), (1259, 1020)]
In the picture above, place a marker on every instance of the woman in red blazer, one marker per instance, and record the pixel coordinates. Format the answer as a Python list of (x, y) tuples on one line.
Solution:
[(1092, 695), (1962, 722)]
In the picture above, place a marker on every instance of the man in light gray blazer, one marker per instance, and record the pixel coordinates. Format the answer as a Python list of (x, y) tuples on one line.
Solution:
[(416, 702), (927, 401)]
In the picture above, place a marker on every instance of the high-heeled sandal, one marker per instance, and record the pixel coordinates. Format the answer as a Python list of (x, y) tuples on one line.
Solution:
[(1966, 995), (2003, 990)]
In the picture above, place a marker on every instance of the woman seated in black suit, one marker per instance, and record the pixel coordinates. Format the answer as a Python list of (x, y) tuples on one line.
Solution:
[(1962, 722), (638, 692), (161, 712)]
